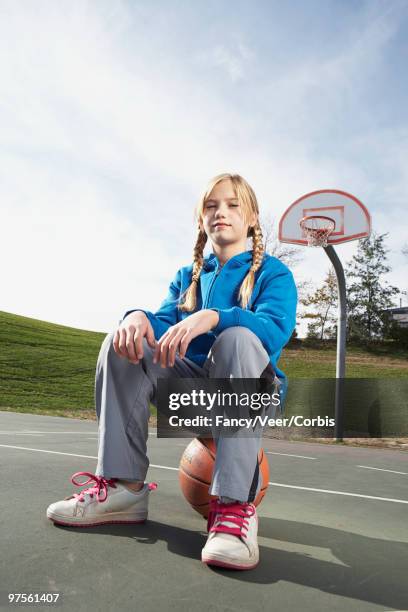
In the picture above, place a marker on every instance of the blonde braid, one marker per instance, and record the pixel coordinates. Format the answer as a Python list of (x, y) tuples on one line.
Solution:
[(190, 295), (257, 258)]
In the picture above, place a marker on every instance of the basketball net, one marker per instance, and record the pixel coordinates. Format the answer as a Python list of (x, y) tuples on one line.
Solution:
[(317, 229)]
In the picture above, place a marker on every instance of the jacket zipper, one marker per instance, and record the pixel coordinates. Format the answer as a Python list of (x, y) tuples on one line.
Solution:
[(211, 288)]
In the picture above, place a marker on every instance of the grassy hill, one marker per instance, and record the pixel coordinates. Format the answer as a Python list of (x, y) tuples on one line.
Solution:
[(50, 369), (46, 368), (381, 361)]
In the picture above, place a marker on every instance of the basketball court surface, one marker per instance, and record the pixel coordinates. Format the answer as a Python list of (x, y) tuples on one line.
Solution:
[(332, 533)]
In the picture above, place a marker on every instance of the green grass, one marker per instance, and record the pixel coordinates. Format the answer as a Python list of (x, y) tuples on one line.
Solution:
[(46, 368), (50, 369), (320, 362)]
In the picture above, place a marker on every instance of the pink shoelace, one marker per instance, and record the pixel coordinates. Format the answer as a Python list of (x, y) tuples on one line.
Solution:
[(238, 514), (101, 484)]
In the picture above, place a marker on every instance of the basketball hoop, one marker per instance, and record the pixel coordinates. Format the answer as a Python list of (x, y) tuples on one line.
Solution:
[(317, 229), (305, 223)]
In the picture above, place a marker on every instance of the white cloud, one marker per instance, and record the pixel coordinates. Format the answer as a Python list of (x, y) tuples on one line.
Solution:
[(234, 58), (108, 141), (77, 262)]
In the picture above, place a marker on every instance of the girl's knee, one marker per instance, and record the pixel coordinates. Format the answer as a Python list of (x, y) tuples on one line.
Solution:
[(110, 337), (238, 335), (107, 348), (107, 342)]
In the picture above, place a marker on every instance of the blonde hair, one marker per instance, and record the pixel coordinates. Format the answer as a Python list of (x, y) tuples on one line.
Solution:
[(249, 205)]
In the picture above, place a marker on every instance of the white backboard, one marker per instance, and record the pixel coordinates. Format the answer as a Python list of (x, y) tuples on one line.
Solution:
[(351, 217)]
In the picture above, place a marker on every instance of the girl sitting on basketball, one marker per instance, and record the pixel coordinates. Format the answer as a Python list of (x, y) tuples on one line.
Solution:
[(227, 315)]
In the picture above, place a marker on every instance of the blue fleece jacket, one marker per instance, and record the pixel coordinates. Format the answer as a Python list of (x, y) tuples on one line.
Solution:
[(271, 312)]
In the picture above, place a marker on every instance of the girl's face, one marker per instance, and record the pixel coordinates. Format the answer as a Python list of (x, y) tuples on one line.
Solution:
[(222, 218)]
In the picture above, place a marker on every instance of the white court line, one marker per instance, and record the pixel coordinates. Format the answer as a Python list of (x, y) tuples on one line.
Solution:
[(273, 484), (390, 499), (368, 467), (20, 433), (30, 432), (41, 450), (288, 455), (163, 467), (33, 431)]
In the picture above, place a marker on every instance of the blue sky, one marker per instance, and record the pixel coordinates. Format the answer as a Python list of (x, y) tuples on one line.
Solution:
[(114, 115)]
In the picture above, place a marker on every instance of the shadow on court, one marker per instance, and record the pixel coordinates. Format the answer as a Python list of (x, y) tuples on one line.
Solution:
[(317, 551), (369, 569)]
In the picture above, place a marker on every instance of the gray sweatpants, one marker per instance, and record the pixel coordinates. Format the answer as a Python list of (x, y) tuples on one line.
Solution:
[(123, 391)]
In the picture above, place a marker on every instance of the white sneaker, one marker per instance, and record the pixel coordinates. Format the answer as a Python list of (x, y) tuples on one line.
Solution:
[(107, 501), (232, 536)]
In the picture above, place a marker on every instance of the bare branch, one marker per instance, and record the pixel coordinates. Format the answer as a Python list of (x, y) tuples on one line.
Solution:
[(290, 255)]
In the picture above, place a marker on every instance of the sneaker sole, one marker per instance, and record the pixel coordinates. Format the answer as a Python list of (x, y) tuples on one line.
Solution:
[(62, 520), (221, 561)]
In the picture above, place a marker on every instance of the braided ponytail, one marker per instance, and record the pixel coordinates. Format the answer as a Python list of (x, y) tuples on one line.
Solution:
[(258, 251), (190, 295)]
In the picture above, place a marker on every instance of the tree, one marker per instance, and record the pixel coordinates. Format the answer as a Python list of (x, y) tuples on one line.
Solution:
[(324, 304), (368, 295)]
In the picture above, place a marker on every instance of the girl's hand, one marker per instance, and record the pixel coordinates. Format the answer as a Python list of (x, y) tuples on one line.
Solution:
[(128, 340), (178, 337)]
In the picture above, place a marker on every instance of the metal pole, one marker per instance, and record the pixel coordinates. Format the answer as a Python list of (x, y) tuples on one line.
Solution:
[(341, 342)]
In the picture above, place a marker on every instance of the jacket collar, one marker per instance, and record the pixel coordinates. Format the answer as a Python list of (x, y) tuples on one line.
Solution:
[(211, 262)]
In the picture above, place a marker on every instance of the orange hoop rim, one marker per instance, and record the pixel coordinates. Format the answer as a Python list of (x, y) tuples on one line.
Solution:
[(308, 217)]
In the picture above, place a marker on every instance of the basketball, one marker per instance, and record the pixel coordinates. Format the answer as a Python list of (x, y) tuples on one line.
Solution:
[(196, 469)]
